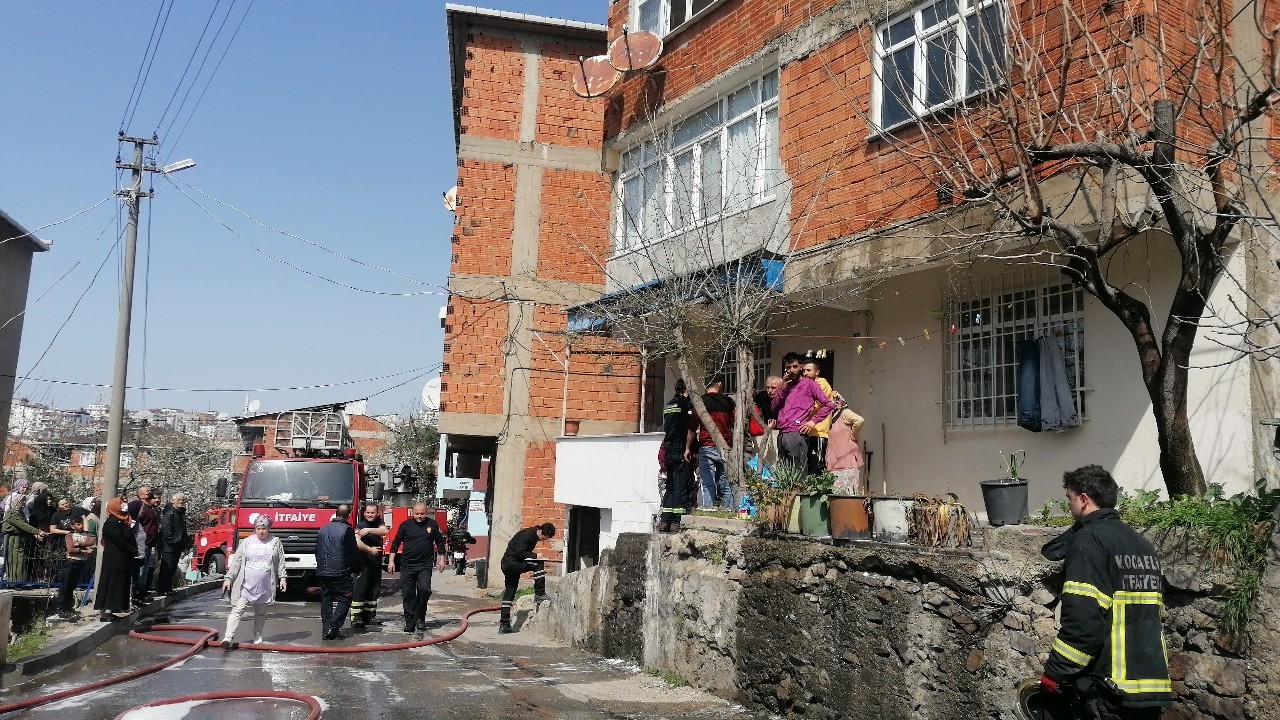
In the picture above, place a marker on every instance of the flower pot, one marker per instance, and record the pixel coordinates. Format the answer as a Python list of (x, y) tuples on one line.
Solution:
[(571, 427), (793, 516), (814, 515), (1006, 501), (850, 517), (889, 518)]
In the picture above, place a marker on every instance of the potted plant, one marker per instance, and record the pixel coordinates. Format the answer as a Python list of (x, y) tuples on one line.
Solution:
[(814, 508), (773, 492), (1006, 497)]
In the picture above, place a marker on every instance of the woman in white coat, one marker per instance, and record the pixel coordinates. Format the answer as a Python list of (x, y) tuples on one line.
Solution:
[(257, 569)]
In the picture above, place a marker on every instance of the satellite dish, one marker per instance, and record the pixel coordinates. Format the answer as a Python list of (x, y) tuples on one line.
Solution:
[(634, 50), (254, 405), (594, 76), (451, 199), (431, 395)]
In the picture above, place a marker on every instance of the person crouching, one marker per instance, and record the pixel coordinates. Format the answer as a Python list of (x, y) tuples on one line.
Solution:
[(257, 569)]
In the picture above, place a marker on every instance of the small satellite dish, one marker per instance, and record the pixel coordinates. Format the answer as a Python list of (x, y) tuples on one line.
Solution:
[(594, 76), (431, 395), (451, 199), (634, 50), (254, 405)]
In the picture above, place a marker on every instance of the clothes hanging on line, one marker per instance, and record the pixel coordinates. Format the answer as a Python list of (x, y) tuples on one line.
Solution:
[(1046, 402)]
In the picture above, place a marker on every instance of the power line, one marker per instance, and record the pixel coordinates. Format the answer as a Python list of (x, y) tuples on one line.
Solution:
[(32, 233), (194, 51), (424, 370), (208, 81), (71, 314), (138, 77), (290, 265), (64, 275), (129, 113), (312, 243)]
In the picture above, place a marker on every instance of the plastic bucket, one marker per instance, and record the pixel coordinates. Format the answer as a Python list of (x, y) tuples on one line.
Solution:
[(1006, 501), (813, 515), (850, 517), (889, 518)]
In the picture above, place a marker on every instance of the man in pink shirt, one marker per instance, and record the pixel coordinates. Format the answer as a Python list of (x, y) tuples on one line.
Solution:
[(794, 406)]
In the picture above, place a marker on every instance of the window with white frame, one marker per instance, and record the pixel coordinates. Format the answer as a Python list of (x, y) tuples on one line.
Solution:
[(662, 16), (982, 367), (720, 160), (935, 56)]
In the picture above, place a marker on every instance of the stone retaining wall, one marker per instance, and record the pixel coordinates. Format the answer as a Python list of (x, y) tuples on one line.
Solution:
[(869, 630)]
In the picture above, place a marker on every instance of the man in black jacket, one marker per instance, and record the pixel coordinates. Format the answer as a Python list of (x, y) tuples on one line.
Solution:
[(174, 540), (1111, 589), (337, 560), (519, 559), (423, 544)]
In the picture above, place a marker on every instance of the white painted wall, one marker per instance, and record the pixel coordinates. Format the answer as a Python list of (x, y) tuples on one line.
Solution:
[(899, 392), (616, 473)]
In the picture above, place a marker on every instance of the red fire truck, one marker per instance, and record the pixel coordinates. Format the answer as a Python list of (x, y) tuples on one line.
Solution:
[(317, 471)]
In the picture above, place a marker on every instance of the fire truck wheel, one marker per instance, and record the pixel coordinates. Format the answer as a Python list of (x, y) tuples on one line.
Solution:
[(217, 564)]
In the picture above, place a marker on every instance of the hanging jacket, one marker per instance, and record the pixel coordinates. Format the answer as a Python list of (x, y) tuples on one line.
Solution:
[(1111, 607)]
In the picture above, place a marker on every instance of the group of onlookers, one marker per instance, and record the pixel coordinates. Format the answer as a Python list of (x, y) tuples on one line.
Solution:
[(56, 542), (798, 419)]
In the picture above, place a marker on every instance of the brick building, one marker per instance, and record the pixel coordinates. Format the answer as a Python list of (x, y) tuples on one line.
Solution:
[(812, 131), (532, 203)]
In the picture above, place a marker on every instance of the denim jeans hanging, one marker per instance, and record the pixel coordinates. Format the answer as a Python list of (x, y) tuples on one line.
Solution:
[(1029, 384)]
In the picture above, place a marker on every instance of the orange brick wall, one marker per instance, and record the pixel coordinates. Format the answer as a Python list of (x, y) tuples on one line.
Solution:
[(494, 67), (573, 241), (481, 242), (604, 376), (472, 380), (539, 493), (563, 117)]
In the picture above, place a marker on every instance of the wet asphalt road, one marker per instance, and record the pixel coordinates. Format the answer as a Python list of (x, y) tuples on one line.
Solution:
[(481, 676)]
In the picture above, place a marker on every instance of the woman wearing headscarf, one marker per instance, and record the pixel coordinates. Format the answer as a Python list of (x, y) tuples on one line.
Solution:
[(844, 454), (256, 570), (20, 536), (118, 551)]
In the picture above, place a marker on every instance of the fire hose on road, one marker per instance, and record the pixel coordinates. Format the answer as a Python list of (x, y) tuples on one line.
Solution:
[(207, 639)]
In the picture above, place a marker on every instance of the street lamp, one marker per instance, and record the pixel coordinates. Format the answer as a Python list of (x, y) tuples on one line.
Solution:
[(115, 418)]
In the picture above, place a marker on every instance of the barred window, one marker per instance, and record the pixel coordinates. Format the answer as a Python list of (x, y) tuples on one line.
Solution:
[(981, 386), (726, 366)]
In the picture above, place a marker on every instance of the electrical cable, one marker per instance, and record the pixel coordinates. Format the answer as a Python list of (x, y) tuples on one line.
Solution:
[(194, 51), (314, 244), (424, 370), (136, 78), (290, 265), (92, 282), (64, 275), (146, 309), (32, 233), (207, 636), (154, 51), (207, 82)]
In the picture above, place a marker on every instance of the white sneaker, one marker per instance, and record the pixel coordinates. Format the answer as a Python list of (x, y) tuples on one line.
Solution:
[(257, 640)]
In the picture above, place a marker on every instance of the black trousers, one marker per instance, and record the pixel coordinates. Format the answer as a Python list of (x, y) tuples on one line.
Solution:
[(511, 572), (681, 494), (335, 601), (364, 599), (168, 568), (71, 572), (415, 591)]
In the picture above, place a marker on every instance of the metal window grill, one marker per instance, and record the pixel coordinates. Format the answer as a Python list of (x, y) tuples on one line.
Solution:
[(990, 316), (726, 366)]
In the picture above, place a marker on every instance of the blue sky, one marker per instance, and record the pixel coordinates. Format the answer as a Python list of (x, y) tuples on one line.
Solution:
[(327, 120)]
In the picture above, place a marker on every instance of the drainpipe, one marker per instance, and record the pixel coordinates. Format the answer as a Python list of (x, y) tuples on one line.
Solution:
[(644, 366), (564, 393)]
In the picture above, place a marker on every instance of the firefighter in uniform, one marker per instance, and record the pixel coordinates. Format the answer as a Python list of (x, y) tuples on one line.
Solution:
[(1108, 661), (519, 559), (679, 494), (370, 532)]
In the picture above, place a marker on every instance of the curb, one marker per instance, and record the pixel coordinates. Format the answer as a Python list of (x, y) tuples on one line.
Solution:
[(88, 637)]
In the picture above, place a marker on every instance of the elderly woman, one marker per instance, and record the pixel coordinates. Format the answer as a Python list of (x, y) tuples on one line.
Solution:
[(118, 552), (20, 536), (844, 454), (257, 569)]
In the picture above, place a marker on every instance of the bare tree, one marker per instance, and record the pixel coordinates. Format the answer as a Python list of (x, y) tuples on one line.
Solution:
[(1104, 129)]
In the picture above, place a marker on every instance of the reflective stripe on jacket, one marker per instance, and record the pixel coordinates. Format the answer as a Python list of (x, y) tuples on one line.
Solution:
[(1111, 607)]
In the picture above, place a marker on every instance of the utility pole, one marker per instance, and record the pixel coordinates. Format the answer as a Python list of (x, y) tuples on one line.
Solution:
[(133, 196)]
